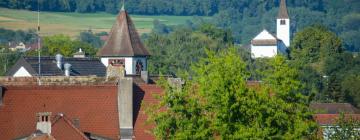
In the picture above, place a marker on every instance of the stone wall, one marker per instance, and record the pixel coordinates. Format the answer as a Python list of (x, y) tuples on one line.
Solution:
[(56, 80)]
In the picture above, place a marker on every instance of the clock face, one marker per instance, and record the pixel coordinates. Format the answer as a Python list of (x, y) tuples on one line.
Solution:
[(117, 62)]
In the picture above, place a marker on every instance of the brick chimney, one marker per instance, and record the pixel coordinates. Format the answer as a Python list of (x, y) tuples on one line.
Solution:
[(125, 108), (43, 122)]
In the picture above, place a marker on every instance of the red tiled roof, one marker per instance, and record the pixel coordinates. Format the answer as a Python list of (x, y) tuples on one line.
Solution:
[(144, 92), (330, 119), (63, 129), (94, 105)]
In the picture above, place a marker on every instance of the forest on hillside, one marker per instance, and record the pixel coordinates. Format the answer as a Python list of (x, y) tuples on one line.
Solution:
[(245, 18)]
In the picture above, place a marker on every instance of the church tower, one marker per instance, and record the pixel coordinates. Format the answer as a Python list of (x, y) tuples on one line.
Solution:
[(124, 47), (283, 24)]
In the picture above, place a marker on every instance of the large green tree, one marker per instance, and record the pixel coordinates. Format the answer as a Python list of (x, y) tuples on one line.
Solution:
[(217, 102), (176, 51), (316, 51)]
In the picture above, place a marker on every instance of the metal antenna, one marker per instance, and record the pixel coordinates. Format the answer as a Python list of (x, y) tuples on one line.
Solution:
[(39, 47)]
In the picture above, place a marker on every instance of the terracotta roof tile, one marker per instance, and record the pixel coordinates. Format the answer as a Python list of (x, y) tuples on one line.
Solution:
[(63, 129), (94, 105), (330, 119)]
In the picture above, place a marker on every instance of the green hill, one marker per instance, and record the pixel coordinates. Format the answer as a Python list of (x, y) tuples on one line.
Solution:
[(72, 23)]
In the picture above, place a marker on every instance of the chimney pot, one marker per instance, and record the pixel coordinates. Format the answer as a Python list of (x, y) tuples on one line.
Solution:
[(59, 58), (145, 76), (67, 68), (44, 123)]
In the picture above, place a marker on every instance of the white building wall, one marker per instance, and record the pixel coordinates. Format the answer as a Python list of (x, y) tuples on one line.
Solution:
[(130, 63), (22, 72), (263, 51), (283, 31)]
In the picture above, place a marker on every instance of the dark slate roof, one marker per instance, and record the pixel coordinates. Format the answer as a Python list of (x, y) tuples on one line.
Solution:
[(334, 108), (283, 12), (123, 39), (79, 66)]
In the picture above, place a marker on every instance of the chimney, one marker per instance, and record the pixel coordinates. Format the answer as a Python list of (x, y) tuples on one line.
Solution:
[(59, 58), (43, 122), (145, 76), (67, 68), (125, 108), (79, 54), (1, 95)]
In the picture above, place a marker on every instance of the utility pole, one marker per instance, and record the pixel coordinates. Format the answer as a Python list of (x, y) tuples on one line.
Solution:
[(39, 47)]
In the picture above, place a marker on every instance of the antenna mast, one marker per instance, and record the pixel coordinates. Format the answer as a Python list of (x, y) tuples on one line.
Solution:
[(39, 47)]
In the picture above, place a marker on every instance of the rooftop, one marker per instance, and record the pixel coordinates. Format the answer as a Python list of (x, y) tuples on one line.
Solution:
[(123, 39)]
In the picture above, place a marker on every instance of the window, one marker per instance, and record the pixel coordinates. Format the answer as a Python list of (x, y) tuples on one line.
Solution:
[(117, 62), (282, 22), (139, 67)]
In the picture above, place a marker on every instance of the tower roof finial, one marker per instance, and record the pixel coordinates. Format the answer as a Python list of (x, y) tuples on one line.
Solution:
[(283, 12), (123, 6)]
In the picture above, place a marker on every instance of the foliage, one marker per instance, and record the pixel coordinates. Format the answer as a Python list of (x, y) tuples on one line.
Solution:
[(62, 44), (91, 38), (218, 103), (7, 59), (347, 128), (245, 18), (18, 36), (176, 51)]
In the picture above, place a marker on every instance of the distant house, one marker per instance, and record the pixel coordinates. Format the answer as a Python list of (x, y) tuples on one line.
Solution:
[(327, 115), (13, 46), (57, 66), (266, 45)]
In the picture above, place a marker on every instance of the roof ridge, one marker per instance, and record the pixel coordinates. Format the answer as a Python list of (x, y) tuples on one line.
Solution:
[(128, 32), (67, 121)]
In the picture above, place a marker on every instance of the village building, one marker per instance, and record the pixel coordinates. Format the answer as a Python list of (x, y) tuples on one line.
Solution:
[(80, 97), (265, 44), (327, 116)]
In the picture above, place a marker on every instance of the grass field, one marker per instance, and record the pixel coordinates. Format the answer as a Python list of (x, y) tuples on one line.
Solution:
[(72, 23)]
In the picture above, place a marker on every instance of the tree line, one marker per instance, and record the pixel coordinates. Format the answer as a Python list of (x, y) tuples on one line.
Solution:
[(245, 18)]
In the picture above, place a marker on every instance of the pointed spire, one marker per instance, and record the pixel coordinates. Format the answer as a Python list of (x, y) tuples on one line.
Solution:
[(123, 39), (123, 6), (283, 12)]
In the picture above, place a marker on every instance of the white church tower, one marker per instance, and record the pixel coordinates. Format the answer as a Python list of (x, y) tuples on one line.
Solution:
[(283, 24)]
